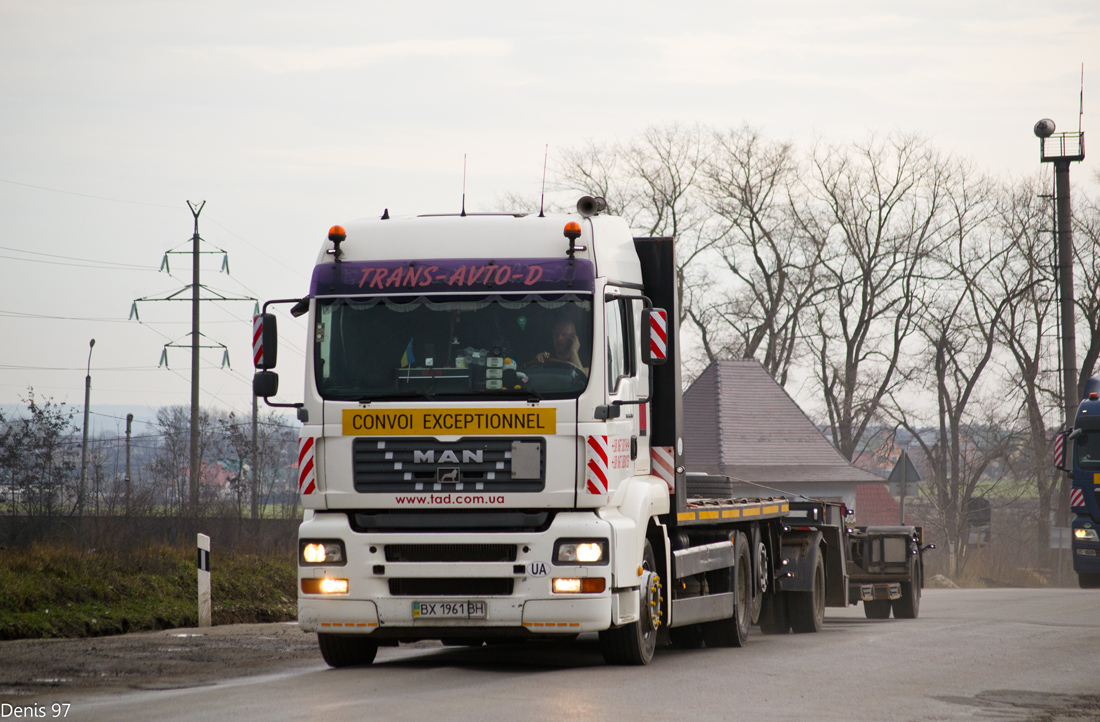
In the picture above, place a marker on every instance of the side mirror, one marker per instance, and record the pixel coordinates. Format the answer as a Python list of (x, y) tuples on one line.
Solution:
[(1063, 449), (654, 336), (265, 343), (265, 384)]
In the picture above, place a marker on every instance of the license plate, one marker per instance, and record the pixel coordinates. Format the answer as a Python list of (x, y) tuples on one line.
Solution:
[(448, 610)]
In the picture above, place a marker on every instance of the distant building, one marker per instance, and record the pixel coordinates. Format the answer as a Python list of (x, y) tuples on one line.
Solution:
[(739, 422)]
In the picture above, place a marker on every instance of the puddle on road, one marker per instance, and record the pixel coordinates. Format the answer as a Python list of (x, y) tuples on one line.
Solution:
[(1024, 706)]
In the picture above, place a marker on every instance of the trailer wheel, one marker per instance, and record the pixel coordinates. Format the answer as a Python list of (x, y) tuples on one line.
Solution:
[(634, 643), (876, 609), (908, 606), (734, 631), (807, 609), (760, 572), (346, 650), (1088, 580)]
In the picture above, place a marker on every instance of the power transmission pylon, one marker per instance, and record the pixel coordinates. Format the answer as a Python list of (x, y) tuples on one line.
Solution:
[(196, 299)]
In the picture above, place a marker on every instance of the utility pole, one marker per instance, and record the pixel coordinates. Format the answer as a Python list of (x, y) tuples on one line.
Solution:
[(129, 425), (84, 445), (255, 461)]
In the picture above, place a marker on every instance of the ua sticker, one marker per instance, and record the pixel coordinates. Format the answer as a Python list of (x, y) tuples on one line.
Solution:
[(538, 569)]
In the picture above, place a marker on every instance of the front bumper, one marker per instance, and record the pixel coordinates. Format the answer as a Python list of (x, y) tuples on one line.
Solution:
[(377, 603)]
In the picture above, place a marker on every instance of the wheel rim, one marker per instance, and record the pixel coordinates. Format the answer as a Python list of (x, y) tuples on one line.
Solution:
[(762, 567)]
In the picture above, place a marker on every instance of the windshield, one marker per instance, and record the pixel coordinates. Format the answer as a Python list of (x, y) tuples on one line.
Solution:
[(455, 346), (1087, 448)]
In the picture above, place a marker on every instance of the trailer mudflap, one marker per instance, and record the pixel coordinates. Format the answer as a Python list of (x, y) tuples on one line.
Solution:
[(800, 553)]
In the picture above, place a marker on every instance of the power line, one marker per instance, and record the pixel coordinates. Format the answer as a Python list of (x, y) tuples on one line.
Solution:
[(74, 258), (85, 195)]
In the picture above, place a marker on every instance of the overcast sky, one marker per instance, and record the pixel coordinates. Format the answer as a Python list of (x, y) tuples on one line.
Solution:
[(289, 117)]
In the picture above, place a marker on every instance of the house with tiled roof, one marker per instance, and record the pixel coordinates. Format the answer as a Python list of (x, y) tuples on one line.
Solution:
[(739, 422)]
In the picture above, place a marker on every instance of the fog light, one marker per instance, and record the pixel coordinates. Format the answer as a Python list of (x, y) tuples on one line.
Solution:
[(567, 586), (587, 585), (325, 585)]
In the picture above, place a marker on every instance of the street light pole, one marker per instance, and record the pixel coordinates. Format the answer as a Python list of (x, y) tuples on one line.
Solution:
[(84, 445)]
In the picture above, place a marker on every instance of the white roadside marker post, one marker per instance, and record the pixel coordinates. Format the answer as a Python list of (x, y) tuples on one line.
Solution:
[(204, 580)]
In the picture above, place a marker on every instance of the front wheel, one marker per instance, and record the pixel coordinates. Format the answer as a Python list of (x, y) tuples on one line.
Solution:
[(346, 650), (734, 631), (635, 643), (1088, 580)]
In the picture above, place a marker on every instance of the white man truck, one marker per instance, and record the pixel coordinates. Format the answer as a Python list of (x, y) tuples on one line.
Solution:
[(465, 479)]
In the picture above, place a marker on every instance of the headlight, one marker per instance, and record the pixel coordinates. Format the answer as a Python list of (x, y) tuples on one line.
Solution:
[(1086, 535), (580, 551), (327, 552)]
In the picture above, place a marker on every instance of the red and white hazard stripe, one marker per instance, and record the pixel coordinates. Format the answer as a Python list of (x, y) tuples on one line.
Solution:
[(595, 477), (1076, 498), (307, 472), (658, 334), (1059, 451), (663, 461), (257, 341)]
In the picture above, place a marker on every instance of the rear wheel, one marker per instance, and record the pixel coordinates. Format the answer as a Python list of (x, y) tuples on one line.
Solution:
[(908, 606), (734, 631), (877, 608), (634, 643), (346, 650), (1088, 580), (807, 609)]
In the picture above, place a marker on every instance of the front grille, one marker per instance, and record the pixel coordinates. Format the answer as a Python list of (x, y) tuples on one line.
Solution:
[(450, 552), (443, 520), (425, 465), (456, 587)]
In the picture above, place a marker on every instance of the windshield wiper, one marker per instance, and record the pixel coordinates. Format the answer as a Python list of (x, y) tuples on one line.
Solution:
[(404, 395)]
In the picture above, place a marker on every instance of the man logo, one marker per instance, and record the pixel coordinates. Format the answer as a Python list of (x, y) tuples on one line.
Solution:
[(450, 474), (469, 456)]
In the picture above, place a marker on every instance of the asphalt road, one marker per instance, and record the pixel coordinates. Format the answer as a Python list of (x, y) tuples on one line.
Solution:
[(992, 654)]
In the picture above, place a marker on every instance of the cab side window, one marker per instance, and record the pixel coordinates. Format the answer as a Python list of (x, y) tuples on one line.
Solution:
[(619, 322)]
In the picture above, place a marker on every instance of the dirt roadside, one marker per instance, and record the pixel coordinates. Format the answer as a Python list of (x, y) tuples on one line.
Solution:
[(40, 669)]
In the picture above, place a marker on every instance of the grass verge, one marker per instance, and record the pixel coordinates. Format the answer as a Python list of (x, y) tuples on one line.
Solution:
[(61, 592)]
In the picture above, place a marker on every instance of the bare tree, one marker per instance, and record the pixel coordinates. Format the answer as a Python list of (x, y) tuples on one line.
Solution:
[(960, 320), (875, 208), (755, 309), (652, 183), (1029, 332)]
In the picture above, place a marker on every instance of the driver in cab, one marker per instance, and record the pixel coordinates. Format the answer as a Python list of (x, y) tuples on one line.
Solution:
[(566, 348)]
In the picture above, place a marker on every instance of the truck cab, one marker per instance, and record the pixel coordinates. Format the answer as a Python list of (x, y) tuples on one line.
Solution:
[(1083, 459)]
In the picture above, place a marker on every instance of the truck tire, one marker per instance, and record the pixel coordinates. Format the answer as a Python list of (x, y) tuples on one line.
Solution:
[(760, 576), (734, 631), (1088, 580), (807, 609), (346, 650), (773, 617), (877, 609), (634, 643), (908, 605)]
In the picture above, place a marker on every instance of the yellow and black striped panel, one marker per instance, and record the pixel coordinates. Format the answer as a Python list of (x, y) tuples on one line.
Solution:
[(716, 514)]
